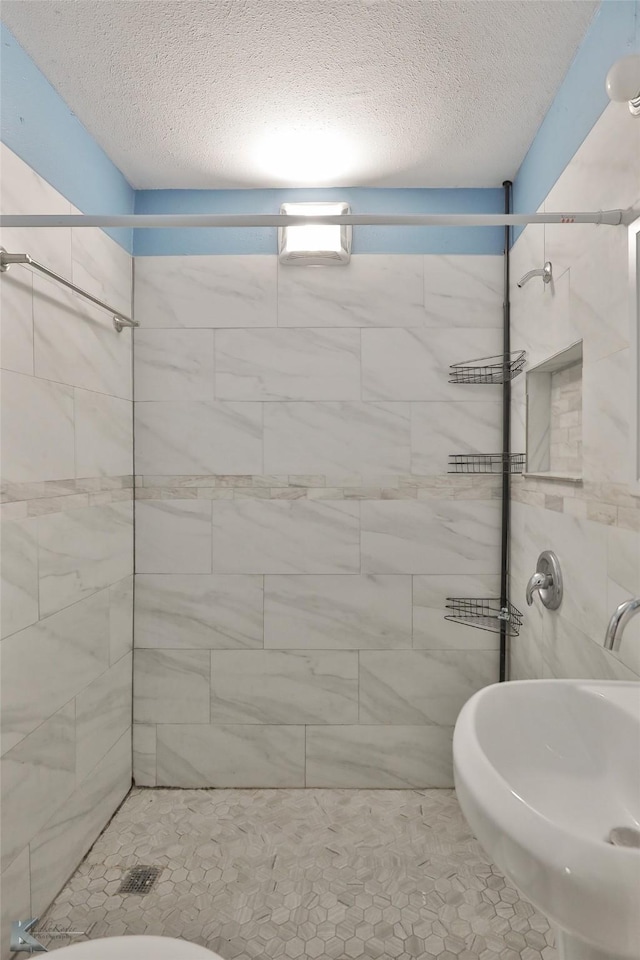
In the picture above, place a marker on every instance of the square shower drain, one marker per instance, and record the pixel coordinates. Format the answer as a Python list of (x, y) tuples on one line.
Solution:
[(139, 880)]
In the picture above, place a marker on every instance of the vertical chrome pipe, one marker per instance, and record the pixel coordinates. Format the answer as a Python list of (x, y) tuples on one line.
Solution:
[(506, 443)]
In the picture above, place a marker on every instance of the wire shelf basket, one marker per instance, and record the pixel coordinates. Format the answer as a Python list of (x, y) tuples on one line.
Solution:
[(486, 462), (484, 614), (488, 369)]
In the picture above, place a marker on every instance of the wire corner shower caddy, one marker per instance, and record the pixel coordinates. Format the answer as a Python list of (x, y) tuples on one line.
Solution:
[(485, 613), (486, 463), (498, 369)]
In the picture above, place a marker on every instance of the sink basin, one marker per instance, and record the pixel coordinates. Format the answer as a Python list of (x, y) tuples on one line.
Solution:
[(544, 769)]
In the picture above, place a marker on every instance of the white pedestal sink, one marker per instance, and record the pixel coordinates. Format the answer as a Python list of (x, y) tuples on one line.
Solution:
[(544, 769)]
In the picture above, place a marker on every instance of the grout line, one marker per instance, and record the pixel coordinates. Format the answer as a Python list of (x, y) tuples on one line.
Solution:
[(413, 646), (155, 754), (210, 720), (33, 326), (214, 378)]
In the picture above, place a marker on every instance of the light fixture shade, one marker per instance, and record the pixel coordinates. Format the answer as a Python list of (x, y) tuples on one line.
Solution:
[(623, 79), (315, 243)]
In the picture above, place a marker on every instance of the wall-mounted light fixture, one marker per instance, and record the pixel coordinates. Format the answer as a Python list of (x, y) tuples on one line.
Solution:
[(623, 82), (315, 243)]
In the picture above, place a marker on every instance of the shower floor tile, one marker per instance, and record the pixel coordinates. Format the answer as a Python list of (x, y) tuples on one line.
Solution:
[(302, 873)]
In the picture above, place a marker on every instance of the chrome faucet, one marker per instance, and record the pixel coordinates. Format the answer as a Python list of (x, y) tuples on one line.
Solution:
[(618, 622)]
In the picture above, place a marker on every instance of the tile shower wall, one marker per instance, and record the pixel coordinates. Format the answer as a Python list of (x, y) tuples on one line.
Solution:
[(296, 530), (593, 526), (565, 426), (67, 549)]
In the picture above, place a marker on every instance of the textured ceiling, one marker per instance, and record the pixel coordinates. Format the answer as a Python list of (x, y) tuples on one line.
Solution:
[(258, 93)]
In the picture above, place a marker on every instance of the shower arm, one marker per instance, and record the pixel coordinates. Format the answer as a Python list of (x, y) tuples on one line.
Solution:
[(545, 272)]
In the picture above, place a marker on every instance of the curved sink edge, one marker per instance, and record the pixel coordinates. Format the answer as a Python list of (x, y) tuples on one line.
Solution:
[(552, 887), (598, 845), (570, 869)]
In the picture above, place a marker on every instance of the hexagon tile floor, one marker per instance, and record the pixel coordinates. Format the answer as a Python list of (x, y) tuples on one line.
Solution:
[(303, 873)]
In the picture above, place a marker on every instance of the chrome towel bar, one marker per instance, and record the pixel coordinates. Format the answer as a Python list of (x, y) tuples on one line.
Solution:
[(7, 259)]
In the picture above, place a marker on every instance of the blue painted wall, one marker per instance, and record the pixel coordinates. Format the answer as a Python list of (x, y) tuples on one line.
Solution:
[(378, 239), (37, 125), (613, 33)]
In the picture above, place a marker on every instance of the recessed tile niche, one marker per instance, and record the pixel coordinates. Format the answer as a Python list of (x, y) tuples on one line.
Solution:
[(554, 416)]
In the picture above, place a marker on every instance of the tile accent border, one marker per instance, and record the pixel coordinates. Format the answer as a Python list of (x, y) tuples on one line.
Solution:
[(21, 500), (317, 487), (607, 503)]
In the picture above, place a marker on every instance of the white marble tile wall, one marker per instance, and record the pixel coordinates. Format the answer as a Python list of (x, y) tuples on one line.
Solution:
[(245, 755), (285, 537), (37, 423), (408, 364), (274, 598), (337, 438), (172, 686), (38, 775), (378, 756), (270, 364), (206, 292), (284, 686), (19, 572), (438, 429), (198, 437), (71, 831), (67, 558), (370, 611), (103, 435), (82, 551), (374, 291), (595, 527), (173, 537), (443, 536), (421, 686), (203, 611)]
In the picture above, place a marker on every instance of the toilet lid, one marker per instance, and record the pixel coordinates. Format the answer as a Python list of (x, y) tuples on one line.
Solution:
[(135, 948)]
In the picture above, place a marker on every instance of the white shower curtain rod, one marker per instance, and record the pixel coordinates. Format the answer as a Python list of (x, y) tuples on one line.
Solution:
[(612, 217)]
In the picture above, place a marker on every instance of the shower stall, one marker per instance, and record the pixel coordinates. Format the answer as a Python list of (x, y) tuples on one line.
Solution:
[(317, 481)]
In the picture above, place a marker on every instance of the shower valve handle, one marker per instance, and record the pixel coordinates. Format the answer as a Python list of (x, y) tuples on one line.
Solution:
[(546, 581), (539, 581)]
